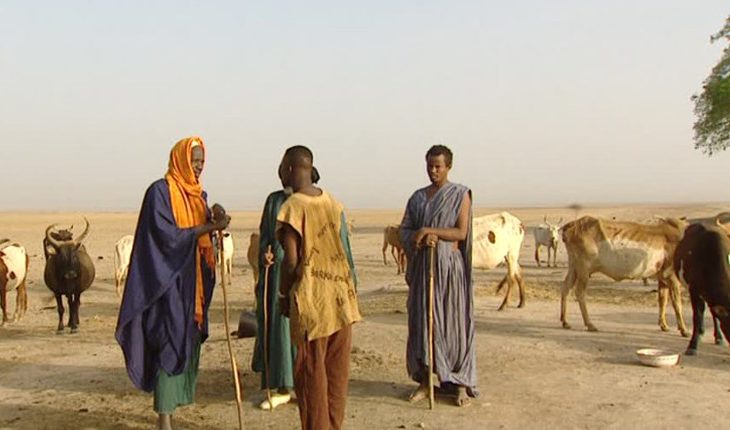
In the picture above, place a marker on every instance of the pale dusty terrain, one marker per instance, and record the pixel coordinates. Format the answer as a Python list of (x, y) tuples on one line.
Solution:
[(532, 373)]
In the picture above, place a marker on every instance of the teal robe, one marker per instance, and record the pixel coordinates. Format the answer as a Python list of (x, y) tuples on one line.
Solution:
[(281, 350)]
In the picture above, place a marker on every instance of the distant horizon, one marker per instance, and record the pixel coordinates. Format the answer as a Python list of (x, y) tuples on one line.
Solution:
[(587, 205)]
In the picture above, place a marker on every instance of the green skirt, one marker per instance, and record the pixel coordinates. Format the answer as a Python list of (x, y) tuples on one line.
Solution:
[(172, 391)]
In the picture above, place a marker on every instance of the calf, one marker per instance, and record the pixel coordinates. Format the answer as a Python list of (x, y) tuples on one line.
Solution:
[(391, 237), (702, 260), (547, 235), (13, 273)]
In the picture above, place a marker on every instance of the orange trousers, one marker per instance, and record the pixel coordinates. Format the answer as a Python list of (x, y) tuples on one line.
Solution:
[(321, 373)]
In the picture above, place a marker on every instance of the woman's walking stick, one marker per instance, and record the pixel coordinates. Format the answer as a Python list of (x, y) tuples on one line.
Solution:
[(265, 302), (234, 367), (431, 400)]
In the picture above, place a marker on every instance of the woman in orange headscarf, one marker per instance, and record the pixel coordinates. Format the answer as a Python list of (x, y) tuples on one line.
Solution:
[(163, 316)]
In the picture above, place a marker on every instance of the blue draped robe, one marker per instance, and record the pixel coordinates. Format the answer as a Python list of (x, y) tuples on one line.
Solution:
[(156, 327), (454, 349)]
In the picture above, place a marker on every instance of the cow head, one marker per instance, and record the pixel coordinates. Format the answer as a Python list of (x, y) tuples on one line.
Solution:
[(554, 230), (68, 266)]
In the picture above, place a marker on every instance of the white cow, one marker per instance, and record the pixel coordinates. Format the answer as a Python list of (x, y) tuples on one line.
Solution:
[(13, 273), (227, 263), (253, 256), (547, 235), (496, 239), (122, 253)]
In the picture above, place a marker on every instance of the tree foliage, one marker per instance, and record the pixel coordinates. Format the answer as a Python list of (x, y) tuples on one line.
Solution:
[(712, 106)]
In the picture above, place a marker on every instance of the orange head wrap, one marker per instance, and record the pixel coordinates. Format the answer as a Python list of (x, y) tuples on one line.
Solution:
[(189, 207)]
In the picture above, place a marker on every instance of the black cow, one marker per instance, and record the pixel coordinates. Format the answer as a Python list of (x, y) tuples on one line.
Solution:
[(69, 272), (702, 260)]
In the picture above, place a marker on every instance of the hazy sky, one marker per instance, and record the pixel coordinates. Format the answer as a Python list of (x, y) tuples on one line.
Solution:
[(542, 102)]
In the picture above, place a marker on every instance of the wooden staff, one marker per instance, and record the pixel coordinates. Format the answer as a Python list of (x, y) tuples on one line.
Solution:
[(431, 400), (234, 366), (265, 303)]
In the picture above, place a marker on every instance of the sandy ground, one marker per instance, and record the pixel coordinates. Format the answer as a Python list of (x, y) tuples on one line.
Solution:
[(532, 373)]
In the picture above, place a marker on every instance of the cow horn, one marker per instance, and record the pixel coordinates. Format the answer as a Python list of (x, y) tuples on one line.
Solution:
[(722, 216), (56, 244), (560, 221), (544, 219), (81, 238)]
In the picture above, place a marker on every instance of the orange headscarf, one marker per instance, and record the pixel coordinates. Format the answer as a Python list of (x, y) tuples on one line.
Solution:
[(189, 207)]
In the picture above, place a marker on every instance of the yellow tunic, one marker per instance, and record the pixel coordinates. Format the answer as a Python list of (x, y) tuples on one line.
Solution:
[(323, 298)]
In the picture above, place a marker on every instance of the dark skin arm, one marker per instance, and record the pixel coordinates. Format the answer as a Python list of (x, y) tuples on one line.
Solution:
[(291, 243), (429, 236), (219, 222)]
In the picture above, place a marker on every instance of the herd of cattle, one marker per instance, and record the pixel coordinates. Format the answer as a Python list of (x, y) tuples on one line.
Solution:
[(669, 250)]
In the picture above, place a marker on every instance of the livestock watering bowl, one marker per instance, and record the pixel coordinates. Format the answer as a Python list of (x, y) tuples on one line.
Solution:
[(657, 357)]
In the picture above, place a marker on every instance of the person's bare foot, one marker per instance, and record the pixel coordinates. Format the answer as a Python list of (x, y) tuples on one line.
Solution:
[(164, 422), (462, 398), (418, 394)]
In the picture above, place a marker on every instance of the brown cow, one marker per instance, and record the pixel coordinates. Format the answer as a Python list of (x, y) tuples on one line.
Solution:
[(13, 273), (391, 237), (622, 250)]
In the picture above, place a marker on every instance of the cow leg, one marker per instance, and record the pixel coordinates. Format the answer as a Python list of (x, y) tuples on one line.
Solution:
[(675, 295), (77, 314), (385, 248), (555, 257), (4, 305), (507, 280), (662, 296), (521, 286), (549, 251), (73, 304), (564, 290), (513, 273), (718, 332), (395, 258), (580, 294), (229, 271), (117, 283), (122, 281), (698, 321), (70, 302), (19, 296), (24, 308), (537, 255), (59, 307)]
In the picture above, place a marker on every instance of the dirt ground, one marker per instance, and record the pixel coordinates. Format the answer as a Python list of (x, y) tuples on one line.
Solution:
[(532, 373)]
